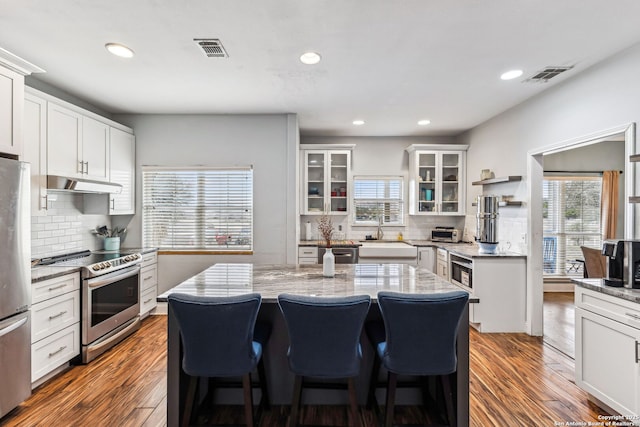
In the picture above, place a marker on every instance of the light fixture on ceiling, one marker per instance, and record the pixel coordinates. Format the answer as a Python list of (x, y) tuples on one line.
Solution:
[(310, 58), (119, 50), (423, 122), (511, 74), (358, 122)]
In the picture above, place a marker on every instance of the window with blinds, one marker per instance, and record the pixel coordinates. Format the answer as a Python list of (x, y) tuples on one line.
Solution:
[(571, 218), (378, 199), (198, 208)]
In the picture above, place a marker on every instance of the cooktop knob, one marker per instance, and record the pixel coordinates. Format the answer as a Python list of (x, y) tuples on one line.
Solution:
[(95, 267)]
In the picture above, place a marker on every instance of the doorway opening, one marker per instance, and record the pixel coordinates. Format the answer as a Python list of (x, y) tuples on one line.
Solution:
[(549, 290)]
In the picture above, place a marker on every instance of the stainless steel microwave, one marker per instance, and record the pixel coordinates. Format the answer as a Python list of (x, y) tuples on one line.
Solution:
[(449, 235)]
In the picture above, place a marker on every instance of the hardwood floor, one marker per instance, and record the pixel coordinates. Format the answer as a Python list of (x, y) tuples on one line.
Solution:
[(559, 321), (516, 380)]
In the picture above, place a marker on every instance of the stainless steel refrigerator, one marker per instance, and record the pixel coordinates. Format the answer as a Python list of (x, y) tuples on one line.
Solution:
[(15, 284)]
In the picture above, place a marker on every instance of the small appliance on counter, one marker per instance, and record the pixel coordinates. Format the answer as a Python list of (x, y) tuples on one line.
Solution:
[(445, 234), (623, 263), (487, 224)]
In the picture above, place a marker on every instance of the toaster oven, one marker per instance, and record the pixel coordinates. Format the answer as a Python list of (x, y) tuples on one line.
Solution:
[(445, 234)]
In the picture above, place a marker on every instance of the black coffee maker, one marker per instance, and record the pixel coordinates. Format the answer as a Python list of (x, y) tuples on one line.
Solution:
[(623, 263)]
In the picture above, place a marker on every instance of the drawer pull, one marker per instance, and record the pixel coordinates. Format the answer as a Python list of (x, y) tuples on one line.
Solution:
[(635, 316), (148, 301), (148, 278), (57, 315), (637, 352), (57, 351), (53, 288)]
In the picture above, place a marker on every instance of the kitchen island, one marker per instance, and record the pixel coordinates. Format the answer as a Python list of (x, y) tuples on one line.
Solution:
[(272, 280)]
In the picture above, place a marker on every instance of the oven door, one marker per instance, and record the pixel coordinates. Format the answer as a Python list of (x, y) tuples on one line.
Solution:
[(109, 301)]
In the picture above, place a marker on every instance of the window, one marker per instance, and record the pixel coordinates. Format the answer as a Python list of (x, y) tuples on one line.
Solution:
[(378, 199), (571, 218), (198, 208)]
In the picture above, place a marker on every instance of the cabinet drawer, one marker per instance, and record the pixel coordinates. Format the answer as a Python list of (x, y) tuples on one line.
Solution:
[(308, 252), (55, 350), (148, 277), (442, 255), (54, 315), (41, 291), (306, 260), (149, 258), (148, 300), (615, 308)]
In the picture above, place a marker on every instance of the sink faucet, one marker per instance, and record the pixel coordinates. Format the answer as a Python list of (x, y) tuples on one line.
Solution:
[(379, 233)]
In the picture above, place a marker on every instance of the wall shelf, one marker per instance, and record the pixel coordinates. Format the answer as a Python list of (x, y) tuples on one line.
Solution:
[(498, 180)]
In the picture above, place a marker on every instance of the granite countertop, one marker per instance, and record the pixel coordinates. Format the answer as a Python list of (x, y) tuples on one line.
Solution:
[(128, 251), (45, 272), (271, 280), (598, 285)]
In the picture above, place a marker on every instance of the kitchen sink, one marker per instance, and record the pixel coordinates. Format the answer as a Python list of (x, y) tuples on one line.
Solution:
[(386, 249)]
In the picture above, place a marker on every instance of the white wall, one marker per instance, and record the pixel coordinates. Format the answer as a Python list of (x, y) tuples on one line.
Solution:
[(603, 97), (383, 156), (268, 142)]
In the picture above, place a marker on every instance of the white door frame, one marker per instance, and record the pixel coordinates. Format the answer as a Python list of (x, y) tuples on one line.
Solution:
[(535, 172)]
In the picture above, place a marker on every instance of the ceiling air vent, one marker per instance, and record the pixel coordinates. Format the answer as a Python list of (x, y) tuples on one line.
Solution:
[(548, 73), (212, 48)]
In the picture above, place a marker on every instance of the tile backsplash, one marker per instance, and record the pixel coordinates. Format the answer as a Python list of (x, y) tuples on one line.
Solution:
[(65, 228)]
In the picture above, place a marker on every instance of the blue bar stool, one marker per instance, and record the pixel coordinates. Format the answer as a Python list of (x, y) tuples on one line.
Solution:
[(417, 338), (219, 341), (324, 343)]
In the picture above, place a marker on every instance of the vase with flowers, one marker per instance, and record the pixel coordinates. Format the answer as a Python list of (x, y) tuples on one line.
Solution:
[(325, 229)]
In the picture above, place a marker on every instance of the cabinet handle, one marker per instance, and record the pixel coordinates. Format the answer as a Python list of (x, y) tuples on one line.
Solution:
[(148, 301), (57, 351), (87, 165), (637, 352), (634, 316), (148, 277), (45, 204), (81, 167), (57, 287), (57, 315), (113, 204)]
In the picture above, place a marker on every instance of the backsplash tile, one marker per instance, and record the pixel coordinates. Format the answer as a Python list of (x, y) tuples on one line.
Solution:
[(65, 228)]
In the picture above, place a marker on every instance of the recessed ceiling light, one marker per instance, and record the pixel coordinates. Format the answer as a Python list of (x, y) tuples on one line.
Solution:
[(511, 74), (310, 58), (358, 122), (119, 50), (424, 122)]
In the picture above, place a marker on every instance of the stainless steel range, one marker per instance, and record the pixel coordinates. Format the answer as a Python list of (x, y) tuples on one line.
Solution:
[(110, 297)]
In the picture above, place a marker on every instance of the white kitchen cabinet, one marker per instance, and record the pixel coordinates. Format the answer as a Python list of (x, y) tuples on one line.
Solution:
[(307, 254), (78, 145), (35, 150), (122, 171), (437, 179), (326, 180), (607, 349), (55, 325), (442, 263), (11, 105), (427, 258), (148, 282)]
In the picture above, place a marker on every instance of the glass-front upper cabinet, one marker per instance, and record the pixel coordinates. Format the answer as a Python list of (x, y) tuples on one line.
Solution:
[(327, 179), (437, 179)]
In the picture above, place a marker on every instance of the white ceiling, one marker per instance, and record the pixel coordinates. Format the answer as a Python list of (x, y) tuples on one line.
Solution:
[(388, 62)]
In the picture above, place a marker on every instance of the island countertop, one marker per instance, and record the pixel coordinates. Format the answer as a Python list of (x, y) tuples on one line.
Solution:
[(271, 280)]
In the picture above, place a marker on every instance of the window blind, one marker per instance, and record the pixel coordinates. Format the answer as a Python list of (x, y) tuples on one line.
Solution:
[(378, 199), (571, 218), (198, 208)]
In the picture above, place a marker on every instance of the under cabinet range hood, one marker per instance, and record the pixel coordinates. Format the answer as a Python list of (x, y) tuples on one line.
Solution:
[(80, 185)]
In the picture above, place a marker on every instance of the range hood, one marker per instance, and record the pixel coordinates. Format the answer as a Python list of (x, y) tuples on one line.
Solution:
[(80, 185)]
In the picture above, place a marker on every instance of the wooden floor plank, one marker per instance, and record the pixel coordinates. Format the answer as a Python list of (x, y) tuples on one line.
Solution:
[(515, 379)]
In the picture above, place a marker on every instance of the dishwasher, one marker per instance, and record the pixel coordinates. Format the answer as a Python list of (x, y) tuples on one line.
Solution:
[(342, 255)]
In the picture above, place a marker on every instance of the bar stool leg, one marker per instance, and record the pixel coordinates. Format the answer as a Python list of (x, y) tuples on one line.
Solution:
[(353, 402), (248, 400), (448, 399), (373, 382), (189, 400), (263, 385), (295, 405), (392, 382)]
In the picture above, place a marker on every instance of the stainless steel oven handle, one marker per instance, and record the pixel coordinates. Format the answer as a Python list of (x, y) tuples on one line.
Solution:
[(113, 277)]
